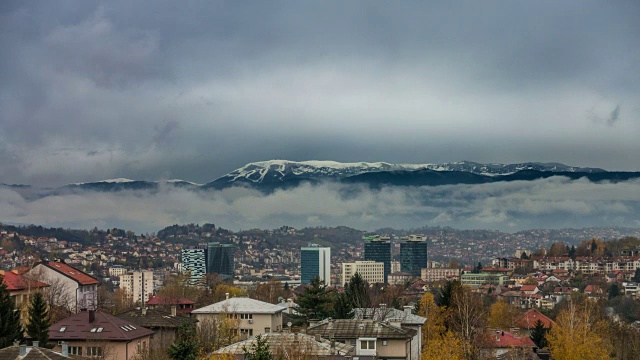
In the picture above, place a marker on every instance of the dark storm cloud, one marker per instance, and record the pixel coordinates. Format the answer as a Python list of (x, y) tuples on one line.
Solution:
[(554, 202), (151, 89)]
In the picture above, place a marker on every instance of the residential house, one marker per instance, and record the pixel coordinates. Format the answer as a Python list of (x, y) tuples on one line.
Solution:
[(255, 317), (529, 319), (77, 290), (183, 305), (370, 337), (92, 333), (164, 323), (507, 345), (404, 319), (20, 287)]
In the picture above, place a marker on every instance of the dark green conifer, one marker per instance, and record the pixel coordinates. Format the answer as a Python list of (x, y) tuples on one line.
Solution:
[(39, 321)]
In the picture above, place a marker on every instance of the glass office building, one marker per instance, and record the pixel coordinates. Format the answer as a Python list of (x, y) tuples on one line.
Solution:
[(220, 259), (378, 248), (413, 254), (315, 261)]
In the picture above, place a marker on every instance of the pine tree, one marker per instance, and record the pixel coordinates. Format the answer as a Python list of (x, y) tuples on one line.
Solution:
[(259, 350), (357, 291), (614, 291), (186, 346), (315, 301), (10, 327), (39, 321), (636, 276), (539, 335), (342, 308)]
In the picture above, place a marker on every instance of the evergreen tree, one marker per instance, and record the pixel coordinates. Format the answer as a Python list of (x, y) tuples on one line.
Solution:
[(259, 350), (10, 327), (636, 276), (446, 292), (614, 291), (357, 292), (186, 346), (286, 286), (539, 335), (315, 301), (39, 321), (342, 307), (572, 252)]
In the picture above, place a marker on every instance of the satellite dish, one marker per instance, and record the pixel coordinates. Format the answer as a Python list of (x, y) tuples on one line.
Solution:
[(289, 324)]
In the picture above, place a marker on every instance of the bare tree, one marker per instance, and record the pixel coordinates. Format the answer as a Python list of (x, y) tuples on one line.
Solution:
[(467, 317)]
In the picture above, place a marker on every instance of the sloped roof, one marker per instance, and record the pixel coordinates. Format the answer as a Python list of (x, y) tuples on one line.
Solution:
[(77, 327), (16, 282), (160, 300), (279, 342), (388, 314), (33, 353), (71, 272), (504, 339), (528, 288), (353, 328), (155, 319), (240, 305), (531, 316)]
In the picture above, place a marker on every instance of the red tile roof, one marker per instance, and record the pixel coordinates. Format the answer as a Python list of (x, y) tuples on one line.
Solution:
[(104, 327), (529, 319), (528, 288), (16, 282), (504, 339), (71, 272)]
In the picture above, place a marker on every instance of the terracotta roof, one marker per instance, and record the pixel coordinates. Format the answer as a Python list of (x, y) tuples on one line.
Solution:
[(33, 353), (103, 327), (16, 282), (504, 339), (529, 319), (528, 288), (71, 272)]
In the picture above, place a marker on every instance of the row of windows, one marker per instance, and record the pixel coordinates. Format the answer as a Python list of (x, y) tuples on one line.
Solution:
[(240, 316), (91, 350)]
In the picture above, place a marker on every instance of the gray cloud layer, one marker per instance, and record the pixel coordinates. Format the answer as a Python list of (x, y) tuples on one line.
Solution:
[(165, 89), (554, 202)]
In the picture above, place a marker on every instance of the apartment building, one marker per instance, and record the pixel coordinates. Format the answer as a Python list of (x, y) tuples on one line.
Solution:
[(138, 285), (370, 271), (77, 290)]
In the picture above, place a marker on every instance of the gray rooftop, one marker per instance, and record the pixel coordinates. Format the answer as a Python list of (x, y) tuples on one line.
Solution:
[(240, 305), (353, 329), (389, 314)]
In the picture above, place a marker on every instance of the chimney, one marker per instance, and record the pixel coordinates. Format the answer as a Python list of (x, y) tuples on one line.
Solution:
[(65, 349), (144, 311), (36, 343), (226, 295), (23, 350), (16, 343), (318, 338), (174, 310), (92, 316), (408, 309)]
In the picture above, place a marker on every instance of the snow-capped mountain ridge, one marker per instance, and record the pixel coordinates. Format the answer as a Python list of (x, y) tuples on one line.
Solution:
[(280, 170)]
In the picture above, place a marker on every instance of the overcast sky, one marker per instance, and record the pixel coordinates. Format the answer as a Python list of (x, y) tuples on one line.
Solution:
[(187, 89)]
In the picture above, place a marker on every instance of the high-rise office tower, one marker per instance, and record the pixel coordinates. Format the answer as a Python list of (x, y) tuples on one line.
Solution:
[(378, 248), (220, 259), (315, 261), (194, 260), (413, 254)]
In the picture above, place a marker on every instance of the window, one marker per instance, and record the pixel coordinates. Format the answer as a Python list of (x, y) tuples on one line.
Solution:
[(75, 350), (246, 332), (62, 329), (267, 330), (368, 344), (94, 351), (246, 316)]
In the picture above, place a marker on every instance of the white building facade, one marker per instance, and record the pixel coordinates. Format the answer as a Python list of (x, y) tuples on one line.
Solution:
[(371, 271)]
